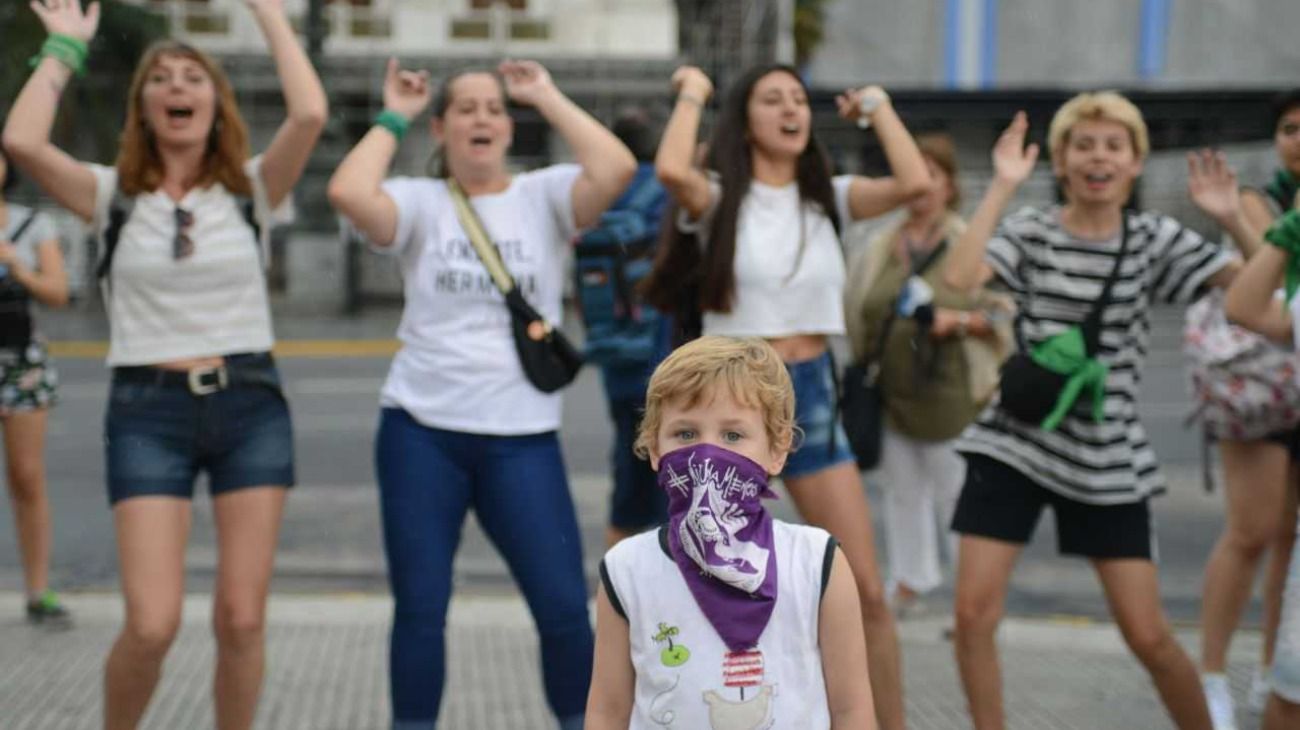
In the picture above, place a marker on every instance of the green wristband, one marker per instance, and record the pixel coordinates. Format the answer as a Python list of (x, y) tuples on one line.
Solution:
[(393, 122), (65, 49)]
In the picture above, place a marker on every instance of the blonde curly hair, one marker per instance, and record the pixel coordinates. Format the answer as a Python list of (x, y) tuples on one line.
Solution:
[(749, 368)]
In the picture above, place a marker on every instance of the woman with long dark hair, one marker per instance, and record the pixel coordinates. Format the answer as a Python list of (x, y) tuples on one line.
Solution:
[(184, 216), (757, 240)]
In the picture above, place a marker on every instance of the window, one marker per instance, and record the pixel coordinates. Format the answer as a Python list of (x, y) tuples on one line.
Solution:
[(476, 25)]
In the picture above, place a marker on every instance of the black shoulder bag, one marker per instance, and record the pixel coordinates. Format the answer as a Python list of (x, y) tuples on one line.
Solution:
[(549, 360), (862, 401), (1029, 387)]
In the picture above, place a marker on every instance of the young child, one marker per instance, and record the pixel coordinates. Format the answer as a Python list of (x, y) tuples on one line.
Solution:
[(725, 618)]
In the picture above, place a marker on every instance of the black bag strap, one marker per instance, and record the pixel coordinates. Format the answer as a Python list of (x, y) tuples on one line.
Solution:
[(119, 211), (919, 269), (22, 227), (1092, 324)]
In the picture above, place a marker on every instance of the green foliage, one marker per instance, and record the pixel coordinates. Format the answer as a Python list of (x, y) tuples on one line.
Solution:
[(809, 28), (94, 105)]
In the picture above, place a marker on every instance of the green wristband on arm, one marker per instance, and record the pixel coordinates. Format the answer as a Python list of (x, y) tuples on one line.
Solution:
[(65, 49), (393, 122)]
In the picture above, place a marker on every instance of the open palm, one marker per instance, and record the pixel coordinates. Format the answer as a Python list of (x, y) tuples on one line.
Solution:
[(1012, 160), (1213, 184), (66, 17)]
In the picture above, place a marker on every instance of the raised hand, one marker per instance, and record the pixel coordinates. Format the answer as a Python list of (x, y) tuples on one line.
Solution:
[(527, 82), (406, 92), (67, 17), (1213, 184), (850, 102), (693, 81), (1012, 160)]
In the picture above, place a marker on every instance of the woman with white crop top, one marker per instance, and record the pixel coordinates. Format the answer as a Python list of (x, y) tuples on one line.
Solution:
[(760, 226), (194, 387), (461, 426)]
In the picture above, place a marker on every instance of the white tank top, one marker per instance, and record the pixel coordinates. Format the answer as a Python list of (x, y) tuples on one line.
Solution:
[(685, 677)]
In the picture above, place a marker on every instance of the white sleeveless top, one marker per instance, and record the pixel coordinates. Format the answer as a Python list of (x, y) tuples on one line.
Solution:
[(685, 677)]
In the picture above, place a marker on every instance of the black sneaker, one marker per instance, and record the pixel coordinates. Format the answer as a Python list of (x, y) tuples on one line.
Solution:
[(47, 610)]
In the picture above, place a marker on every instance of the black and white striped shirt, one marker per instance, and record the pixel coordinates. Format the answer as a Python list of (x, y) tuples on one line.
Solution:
[(1055, 278)]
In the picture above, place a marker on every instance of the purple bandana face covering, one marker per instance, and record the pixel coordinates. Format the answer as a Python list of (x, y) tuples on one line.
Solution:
[(720, 536)]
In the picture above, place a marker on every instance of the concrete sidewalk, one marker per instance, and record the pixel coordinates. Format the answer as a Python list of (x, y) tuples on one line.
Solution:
[(327, 670)]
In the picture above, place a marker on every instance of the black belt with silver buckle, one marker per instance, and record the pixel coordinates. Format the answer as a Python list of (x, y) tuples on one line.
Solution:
[(257, 369)]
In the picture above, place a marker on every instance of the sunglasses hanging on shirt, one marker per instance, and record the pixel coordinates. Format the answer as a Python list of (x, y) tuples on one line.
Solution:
[(182, 244)]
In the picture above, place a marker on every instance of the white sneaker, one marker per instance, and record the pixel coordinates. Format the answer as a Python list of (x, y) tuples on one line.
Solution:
[(1218, 695), (1260, 688)]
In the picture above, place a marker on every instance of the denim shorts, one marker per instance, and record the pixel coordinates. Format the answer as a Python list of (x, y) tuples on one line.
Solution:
[(159, 436), (1286, 657), (824, 443)]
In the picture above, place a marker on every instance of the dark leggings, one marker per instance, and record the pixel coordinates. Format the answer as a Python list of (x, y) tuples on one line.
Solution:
[(516, 485)]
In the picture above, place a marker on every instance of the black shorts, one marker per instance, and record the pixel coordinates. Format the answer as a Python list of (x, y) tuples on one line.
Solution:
[(1001, 503)]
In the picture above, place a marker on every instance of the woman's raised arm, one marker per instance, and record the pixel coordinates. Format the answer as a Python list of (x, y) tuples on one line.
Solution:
[(304, 99), (27, 130)]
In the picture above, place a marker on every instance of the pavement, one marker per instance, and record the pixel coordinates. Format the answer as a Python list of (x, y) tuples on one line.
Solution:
[(1064, 664), (326, 669)]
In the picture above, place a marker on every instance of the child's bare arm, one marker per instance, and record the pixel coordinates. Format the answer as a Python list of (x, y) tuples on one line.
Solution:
[(609, 703), (844, 652)]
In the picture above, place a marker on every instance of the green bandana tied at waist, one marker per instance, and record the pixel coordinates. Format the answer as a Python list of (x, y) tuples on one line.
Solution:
[(1067, 355)]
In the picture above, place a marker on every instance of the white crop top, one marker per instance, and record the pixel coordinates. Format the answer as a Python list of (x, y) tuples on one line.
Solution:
[(779, 292), (213, 302)]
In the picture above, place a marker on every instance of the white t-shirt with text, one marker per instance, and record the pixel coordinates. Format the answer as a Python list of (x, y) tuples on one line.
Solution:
[(458, 369)]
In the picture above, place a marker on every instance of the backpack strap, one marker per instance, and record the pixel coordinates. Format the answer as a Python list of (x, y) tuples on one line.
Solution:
[(22, 227), (119, 211), (644, 195)]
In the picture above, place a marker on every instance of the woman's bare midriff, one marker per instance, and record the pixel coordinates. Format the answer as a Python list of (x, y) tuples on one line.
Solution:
[(191, 364), (797, 348)]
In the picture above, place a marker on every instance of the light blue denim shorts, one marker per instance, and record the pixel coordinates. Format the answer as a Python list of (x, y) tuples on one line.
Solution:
[(824, 443)]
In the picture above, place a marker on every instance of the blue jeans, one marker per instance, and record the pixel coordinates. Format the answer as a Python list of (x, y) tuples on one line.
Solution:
[(428, 479)]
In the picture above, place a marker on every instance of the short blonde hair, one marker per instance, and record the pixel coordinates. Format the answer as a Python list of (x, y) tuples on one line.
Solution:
[(749, 368), (1107, 105)]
